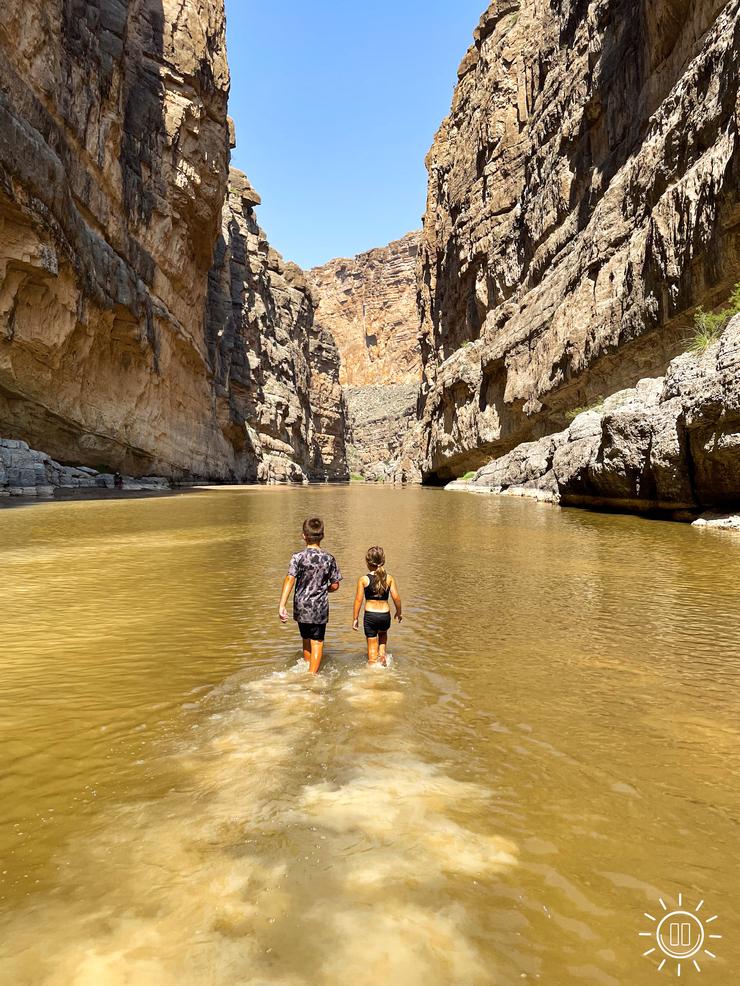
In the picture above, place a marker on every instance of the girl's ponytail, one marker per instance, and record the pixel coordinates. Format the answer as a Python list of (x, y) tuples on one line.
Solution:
[(375, 559)]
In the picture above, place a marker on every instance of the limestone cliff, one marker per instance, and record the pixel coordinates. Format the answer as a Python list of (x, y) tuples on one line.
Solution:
[(583, 199), (368, 304), (116, 346), (671, 444), (378, 418), (276, 374)]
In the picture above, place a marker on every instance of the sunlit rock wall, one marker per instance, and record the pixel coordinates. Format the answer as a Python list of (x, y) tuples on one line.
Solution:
[(583, 199), (113, 165), (117, 348), (368, 304)]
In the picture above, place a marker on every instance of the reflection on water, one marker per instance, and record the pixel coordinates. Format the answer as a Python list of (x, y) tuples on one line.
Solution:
[(555, 747)]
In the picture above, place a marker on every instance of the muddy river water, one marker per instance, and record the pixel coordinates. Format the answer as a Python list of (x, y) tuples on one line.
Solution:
[(555, 749)]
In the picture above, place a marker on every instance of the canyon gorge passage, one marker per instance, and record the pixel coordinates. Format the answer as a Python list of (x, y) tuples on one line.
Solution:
[(582, 213), (555, 745)]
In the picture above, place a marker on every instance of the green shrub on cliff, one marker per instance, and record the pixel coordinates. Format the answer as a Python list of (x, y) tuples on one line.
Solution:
[(575, 411), (711, 325), (468, 475)]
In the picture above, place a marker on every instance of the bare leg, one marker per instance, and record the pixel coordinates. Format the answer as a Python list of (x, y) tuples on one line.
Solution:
[(382, 643), (372, 650), (306, 650), (317, 653)]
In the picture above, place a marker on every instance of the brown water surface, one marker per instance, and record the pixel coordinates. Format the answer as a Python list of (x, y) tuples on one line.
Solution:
[(556, 747)]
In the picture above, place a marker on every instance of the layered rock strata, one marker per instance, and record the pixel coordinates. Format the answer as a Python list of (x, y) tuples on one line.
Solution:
[(669, 444), (368, 303), (276, 374), (114, 150), (583, 199)]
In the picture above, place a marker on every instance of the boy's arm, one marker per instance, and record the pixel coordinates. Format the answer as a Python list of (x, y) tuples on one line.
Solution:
[(335, 576), (358, 604), (288, 584), (396, 598)]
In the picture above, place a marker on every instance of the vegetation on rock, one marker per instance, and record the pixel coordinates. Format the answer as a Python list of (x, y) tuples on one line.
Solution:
[(711, 325)]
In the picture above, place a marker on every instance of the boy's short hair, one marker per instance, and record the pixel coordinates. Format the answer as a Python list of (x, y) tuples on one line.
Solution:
[(313, 529)]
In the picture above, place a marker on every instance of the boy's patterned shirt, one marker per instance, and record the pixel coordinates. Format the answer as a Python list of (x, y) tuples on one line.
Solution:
[(314, 571)]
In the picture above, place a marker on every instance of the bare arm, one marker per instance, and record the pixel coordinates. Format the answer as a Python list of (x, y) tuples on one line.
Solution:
[(333, 587), (288, 584), (396, 598), (359, 595)]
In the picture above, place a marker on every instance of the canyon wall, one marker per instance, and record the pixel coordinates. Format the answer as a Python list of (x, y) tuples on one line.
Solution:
[(583, 200), (120, 347), (368, 304), (276, 373)]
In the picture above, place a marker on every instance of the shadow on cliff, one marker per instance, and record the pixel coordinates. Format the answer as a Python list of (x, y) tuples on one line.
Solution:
[(99, 39)]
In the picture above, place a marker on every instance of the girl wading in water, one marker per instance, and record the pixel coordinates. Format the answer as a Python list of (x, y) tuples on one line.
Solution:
[(375, 588)]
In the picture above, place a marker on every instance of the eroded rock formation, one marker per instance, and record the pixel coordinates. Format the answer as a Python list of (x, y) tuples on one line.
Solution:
[(670, 444), (378, 419), (368, 304), (114, 149), (583, 198), (24, 472), (276, 374)]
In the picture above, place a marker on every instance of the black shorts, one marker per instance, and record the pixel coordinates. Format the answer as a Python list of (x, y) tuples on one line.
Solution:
[(312, 631), (375, 623)]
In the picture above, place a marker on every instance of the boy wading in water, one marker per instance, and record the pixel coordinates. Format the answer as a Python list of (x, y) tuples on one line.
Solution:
[(314, 573), (375, 588)]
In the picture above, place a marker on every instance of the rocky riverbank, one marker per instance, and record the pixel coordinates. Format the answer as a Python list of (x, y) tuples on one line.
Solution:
[(670, 445), (24, 472)]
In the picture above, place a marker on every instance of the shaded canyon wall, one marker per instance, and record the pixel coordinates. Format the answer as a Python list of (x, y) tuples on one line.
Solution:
[(583, 199)]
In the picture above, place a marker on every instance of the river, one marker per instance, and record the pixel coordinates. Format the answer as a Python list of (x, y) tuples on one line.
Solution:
[(555, 748)]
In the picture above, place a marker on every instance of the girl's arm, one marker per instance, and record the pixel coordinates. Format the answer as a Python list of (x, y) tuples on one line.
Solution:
[(359, 595), (288, 584), (395, 597)]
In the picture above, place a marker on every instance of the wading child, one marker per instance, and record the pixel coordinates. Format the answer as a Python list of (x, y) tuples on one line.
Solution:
[(314, 573), (375, 588)]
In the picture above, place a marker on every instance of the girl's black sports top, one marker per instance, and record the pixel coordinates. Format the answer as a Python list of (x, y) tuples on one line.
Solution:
[(369, 594)]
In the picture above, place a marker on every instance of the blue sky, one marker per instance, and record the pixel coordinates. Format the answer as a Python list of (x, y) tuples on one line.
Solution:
[(336, 105)]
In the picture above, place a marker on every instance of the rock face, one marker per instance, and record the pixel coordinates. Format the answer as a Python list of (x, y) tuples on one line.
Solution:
[(378, 418), (669, 444), (276, 374), (368, 303), (28, 473), (114, 149), (583, 199)]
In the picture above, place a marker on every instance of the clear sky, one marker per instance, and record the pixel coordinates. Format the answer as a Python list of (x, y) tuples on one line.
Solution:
[(336, 104)]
